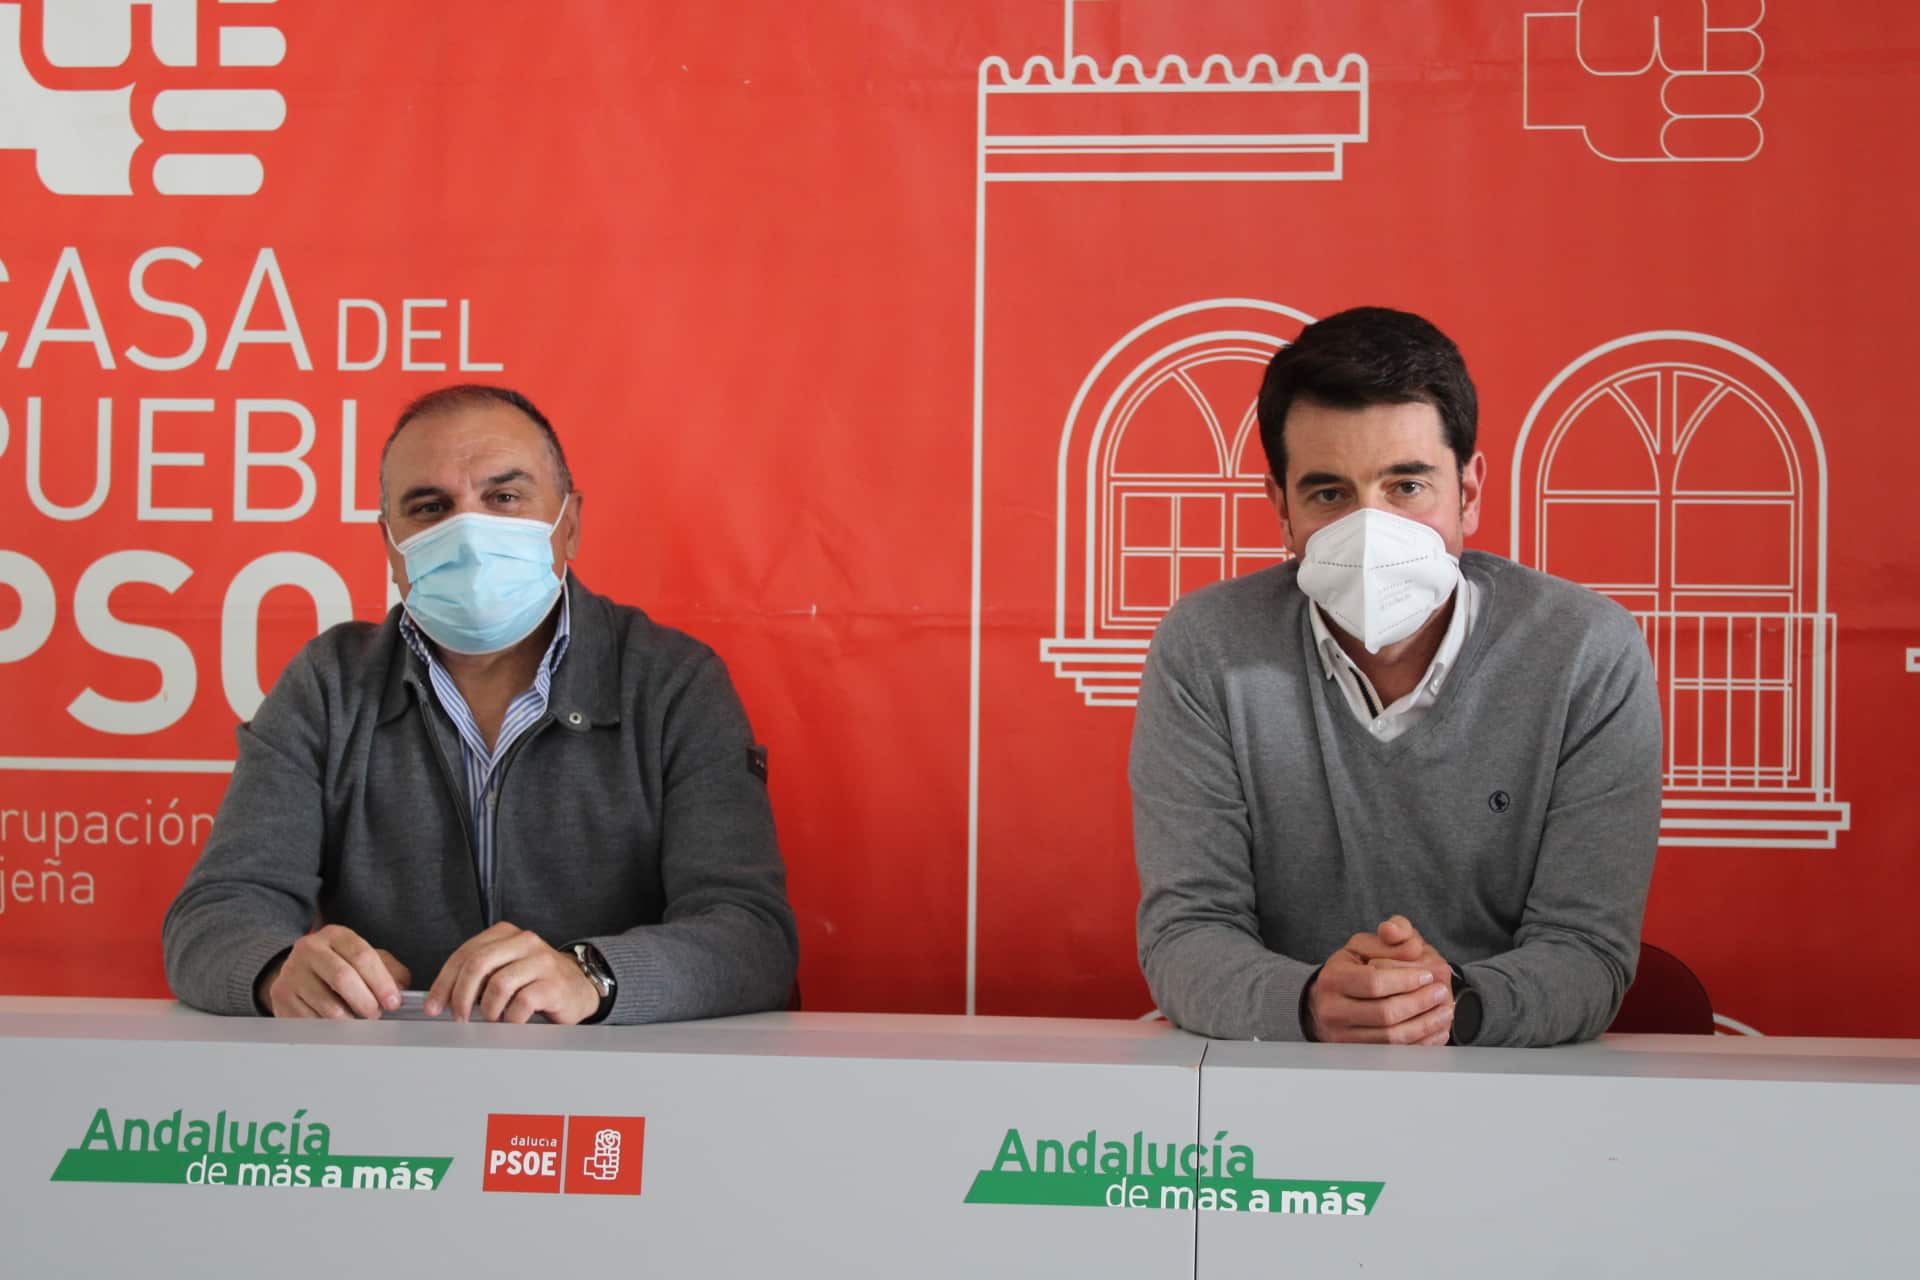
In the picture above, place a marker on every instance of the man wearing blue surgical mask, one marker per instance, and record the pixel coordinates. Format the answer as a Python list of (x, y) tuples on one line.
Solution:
[(513, 792), (1391, 791)]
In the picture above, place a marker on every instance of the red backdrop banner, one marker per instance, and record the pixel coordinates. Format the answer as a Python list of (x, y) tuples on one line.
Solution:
[(906, 354)]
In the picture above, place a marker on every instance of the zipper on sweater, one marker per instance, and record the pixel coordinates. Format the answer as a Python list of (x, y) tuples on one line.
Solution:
[(496, 788), (455, 791)]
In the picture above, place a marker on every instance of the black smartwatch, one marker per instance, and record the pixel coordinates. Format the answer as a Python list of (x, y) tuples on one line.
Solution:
[(1467, 1009), (594, 966)]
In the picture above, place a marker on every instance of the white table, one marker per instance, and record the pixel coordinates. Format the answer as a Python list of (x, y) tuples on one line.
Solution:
[(852, 1145)]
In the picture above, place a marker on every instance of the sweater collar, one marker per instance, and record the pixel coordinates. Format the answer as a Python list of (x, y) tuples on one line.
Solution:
[(585, 688)]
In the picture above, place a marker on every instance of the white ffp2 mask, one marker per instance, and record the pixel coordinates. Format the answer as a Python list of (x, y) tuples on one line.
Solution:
[(1378, 576)]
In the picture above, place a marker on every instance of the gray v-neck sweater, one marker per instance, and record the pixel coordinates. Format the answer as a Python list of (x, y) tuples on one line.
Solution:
[(1515, 824)]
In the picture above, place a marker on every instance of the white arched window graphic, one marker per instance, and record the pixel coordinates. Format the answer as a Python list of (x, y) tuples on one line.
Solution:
[(1161, 485), (1685, 478)]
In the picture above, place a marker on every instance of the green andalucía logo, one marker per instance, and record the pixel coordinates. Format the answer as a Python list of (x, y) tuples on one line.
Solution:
[(295, 1152), (1137, 1174)]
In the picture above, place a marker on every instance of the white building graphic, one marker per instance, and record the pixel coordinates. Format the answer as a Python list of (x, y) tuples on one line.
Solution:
[(1116, 463), (1683, 476), (1076, 121), (1160, 465), (84, 139), (1161, 485)]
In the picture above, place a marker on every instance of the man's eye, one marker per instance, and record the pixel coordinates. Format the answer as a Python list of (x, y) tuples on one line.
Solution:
[(505, 499), (1325, 496), (1408, 488)]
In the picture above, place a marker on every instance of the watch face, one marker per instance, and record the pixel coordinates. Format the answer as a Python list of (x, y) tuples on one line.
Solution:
[(591, 965)]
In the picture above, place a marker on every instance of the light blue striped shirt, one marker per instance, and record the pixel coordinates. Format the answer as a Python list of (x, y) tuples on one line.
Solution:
[(482, 766)]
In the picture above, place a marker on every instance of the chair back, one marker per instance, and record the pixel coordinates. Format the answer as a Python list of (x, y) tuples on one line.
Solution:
[(1665, 998)]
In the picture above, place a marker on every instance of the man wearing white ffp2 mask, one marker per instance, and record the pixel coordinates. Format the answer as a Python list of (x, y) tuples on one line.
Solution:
[(513, 792), (1394, 791)]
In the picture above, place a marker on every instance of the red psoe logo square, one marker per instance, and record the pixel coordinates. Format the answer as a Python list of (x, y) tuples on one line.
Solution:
[(603, 1155), (523, 1153)]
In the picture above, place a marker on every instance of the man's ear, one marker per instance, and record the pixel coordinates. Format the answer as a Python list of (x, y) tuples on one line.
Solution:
[(1473, 481), (570, 542), (396, 563)]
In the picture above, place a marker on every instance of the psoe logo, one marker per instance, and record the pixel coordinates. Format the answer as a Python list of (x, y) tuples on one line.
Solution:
[(1136, 1173), (75, 94), (577, 1155)]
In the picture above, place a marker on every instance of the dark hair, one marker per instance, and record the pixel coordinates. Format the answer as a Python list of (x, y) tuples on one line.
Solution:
[(469, 395), (1368, 356)]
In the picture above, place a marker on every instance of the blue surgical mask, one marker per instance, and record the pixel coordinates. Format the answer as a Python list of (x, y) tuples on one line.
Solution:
[(478, 583)]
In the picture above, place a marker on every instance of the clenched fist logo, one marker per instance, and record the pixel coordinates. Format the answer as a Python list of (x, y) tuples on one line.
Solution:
[(1650, 80), (604, 1162), (75, 94)]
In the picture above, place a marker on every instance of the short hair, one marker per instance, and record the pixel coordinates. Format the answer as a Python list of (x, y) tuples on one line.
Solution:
[(1368, 356), (469, 395)]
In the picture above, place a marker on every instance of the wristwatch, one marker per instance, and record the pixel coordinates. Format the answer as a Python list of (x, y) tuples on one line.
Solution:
[(594, 966), (1467, 1009)]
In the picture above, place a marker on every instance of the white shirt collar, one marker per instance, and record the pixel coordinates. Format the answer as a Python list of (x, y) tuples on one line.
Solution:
[(1334, 659)]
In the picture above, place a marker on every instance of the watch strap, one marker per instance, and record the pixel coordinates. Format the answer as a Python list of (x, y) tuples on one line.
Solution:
[(1468, 1009), (1306, 1013)]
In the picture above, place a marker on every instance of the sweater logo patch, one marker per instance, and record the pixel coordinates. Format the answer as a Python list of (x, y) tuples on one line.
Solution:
[(1499, 802), (757, 762)]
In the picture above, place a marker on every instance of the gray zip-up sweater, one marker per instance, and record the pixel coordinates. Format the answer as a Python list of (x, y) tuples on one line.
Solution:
[(633, 816), (1515, 824)]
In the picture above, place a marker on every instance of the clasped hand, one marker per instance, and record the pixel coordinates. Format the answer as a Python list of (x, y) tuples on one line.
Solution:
[(505, 974), (1385, 987)]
